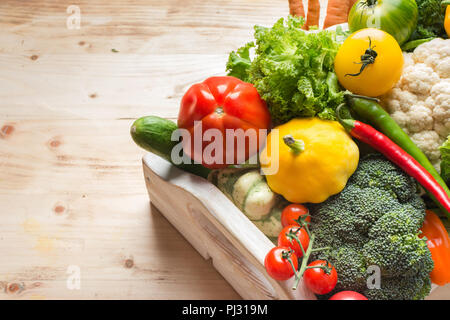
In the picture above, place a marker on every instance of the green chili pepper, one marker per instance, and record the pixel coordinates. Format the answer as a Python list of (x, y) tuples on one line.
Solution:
[(411, 45), (373, 113)]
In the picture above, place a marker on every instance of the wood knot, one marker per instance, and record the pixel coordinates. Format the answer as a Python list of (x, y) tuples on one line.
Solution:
[(81, 43), (13, 288), (129, 263), (93, 95), (34, 57), (54, 143), (6, 130), (59, 209)]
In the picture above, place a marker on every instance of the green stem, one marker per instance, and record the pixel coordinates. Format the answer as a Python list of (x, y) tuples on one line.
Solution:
[(297, 146), (317, 267), (292, 236), (320, 249), (326, 268), (333, 84), (299, 243), (348, 124), (307, 230), (304, 262), (293, 267), (408, 46), (286, 255), (352, 95)]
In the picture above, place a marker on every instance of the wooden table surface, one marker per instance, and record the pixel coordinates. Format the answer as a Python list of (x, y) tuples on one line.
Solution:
[(76, 222)]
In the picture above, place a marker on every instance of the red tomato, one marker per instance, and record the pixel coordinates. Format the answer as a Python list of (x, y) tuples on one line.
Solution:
[(348, 295), (302, 235), (317, 280), (222, 103), (277, 266), (292, 212)]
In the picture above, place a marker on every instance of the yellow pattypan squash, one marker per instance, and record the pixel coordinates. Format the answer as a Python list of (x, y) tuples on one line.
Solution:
[(314, 157)]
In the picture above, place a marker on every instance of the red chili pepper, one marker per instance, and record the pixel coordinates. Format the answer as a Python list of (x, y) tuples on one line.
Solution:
[(397, 155)]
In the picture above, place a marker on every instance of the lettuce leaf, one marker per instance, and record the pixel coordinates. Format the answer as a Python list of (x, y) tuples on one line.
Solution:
[(292, 70), (240, 62), (445, 160), (430, 23)]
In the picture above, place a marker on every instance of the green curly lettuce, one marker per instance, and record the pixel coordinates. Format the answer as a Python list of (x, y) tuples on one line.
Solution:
[(240, 62), (292, 70), (445, 160), (430, 23)]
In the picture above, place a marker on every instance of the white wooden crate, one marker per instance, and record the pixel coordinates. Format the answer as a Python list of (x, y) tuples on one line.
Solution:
[(219, 231)]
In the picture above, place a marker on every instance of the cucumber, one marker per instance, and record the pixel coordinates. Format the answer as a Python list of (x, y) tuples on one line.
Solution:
[(154, 134)]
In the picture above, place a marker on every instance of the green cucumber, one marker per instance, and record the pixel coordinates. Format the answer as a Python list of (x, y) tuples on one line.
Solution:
[(154, 134)]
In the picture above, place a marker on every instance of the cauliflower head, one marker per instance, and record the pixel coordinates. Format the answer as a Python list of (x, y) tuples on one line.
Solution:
[(420, 101)]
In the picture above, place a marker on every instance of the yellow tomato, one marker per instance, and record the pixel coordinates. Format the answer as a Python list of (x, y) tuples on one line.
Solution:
[(383, 67)]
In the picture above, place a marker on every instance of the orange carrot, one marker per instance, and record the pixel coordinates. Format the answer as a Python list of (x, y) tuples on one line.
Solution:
[(312, 18), (337, 12), (296, 8)]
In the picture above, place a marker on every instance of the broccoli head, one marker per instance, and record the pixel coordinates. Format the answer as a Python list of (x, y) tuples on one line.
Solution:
[(401, 288), (375, 221)]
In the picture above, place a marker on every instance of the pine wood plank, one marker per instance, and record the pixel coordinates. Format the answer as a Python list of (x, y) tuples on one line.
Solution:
[(71, 185)]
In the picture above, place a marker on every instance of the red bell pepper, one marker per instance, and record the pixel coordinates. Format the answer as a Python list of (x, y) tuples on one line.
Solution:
[(439, 244), (222, 103)]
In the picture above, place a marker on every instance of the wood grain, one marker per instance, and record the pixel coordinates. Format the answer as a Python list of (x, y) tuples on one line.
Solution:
[(72, 191)]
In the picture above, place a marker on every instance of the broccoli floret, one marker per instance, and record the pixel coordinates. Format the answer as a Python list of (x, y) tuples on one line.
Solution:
[(384, 176), (375, 221), (398, 255), (351, 265), (406, 220), (400, 288)]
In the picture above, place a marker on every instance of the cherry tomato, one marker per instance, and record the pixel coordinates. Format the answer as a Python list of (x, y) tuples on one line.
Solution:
[(317, 280), (285, 241), (277, 263), (292, 212), (222, 104), (382, 72), (348, 295)]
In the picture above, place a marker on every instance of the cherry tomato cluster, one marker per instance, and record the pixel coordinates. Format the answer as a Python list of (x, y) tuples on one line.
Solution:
[(295, 244)]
